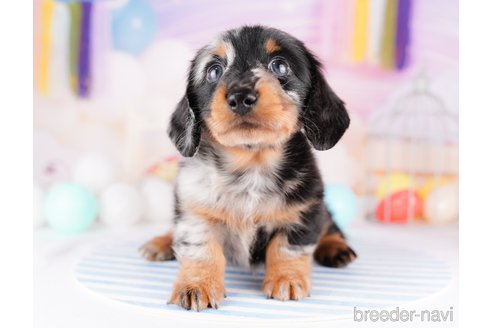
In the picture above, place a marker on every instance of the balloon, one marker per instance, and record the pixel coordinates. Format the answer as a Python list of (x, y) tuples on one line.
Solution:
[(392, 183), (70, 208), (94, 171), (342, 204), (399, 207), (158, 199), (134, 27), (431, 184), (442, 205), (121, 205)]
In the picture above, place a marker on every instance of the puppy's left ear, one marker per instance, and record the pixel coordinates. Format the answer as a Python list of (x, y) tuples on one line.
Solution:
[(185, 128), (324, 116)]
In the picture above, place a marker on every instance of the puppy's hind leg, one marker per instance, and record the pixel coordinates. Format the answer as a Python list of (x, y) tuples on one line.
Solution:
[(158, 248), (333, 249)]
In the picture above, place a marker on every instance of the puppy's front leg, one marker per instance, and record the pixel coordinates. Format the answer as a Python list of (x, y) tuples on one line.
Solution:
[(200, 282), (288, 270)]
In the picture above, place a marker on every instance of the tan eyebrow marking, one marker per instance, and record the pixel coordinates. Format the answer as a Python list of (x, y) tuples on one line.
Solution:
[(271, 46), (220, 50)]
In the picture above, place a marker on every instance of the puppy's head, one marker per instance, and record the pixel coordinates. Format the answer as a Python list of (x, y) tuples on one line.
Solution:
[(254, 87)]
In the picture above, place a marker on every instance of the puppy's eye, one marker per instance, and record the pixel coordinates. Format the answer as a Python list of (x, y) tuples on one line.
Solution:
[(214, 73), (279, 67)]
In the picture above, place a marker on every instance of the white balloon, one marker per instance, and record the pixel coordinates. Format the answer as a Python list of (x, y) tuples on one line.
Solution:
[(126, 78), (94, 171), (158, 200), (441, 206), (38, 207), (166, 64), (121, 205)]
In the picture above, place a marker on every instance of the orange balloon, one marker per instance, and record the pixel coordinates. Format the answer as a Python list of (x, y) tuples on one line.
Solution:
[(399, 207)]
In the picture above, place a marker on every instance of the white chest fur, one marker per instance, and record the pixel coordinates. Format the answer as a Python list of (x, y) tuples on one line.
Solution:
[(242, 195)]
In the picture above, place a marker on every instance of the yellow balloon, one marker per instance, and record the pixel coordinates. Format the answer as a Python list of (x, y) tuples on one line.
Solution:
[(431, 184), (393, 183)]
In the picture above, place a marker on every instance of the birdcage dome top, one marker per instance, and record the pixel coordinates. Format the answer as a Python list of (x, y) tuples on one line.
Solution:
[(419, 115)]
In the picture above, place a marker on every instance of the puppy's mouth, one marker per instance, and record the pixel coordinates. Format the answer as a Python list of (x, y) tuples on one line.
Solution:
[(246, 125)]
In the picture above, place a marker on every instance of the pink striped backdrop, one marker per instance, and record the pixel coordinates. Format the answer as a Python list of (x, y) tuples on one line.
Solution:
[(325, 26)]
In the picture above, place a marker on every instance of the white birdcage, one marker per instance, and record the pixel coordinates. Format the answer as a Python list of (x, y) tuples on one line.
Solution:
[(412, 151)]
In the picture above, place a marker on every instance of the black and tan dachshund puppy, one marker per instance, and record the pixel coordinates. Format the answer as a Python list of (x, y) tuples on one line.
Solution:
[(249, 190)]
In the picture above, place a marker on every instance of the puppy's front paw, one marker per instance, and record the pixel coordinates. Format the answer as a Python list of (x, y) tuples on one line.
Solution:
[(283, 287), (158, 249), (197, 295), (333, 251)]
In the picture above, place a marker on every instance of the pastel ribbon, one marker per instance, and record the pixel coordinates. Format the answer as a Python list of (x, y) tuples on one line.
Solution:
[(36, 41), (75, 18), (360, 30), (389, 34), (100, 47), (346, 17), (402, 33), (46, 8), (84, 75), (59, 62), (375, 29)]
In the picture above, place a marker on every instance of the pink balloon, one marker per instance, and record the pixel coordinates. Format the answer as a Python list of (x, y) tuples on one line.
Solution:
[(399, 207)]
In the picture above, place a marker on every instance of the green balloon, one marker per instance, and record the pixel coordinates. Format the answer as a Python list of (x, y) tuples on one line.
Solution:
[(70, 208)]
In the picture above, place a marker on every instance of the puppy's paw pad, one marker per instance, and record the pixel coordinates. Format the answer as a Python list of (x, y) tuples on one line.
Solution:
[(335, 255), (286, 287), (197, 297), (157, 250)]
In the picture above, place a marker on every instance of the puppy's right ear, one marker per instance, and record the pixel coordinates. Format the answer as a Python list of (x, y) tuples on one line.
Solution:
[(185, 128)]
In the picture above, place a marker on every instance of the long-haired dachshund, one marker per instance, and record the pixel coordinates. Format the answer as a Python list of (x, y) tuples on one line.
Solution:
[(249, 190)]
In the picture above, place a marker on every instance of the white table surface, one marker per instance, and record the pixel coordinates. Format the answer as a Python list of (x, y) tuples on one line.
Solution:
[(59, 301)]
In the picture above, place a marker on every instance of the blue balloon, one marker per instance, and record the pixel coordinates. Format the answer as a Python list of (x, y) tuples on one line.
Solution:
[(70, 208), (342, 204), (134, 27)]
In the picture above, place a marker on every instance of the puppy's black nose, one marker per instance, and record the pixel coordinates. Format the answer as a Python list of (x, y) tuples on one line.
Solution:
[(242, 101)]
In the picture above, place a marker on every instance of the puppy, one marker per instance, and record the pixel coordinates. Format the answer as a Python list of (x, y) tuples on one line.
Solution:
[(248, 189)]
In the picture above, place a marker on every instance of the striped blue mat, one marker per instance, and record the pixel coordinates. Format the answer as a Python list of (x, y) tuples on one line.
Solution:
[(381, 277)]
